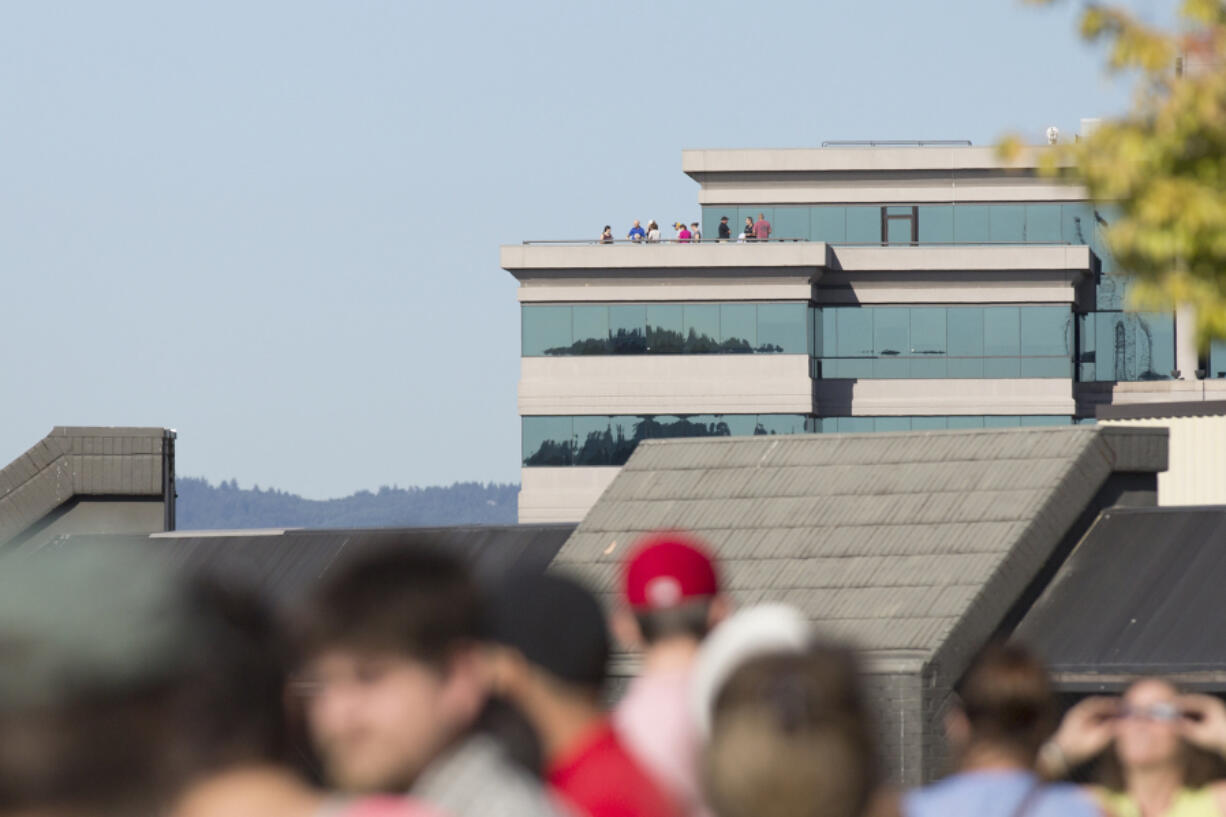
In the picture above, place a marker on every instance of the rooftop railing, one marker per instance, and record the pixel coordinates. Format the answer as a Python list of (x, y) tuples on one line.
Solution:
[(587, 242), (582, 242), (897, 143)]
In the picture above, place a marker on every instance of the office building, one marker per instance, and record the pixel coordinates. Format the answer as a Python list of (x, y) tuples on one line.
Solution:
[(904, 287)]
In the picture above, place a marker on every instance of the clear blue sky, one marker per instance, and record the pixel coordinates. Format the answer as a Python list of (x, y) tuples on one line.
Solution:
[(274, 225)]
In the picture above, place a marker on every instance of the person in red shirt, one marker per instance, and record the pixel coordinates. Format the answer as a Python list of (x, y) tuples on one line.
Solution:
[(762, 228), (670, 601), (549, 650)]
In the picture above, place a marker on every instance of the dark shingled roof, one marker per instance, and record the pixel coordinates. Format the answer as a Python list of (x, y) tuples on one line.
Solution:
[(89, 461), (1140, 595), (285, 564)]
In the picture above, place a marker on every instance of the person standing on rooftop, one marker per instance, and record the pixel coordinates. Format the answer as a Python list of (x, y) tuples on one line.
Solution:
[(636, 233), (695, 233), (671, 600), (762, 228), (683, 233), (653, 232), (606, 237)]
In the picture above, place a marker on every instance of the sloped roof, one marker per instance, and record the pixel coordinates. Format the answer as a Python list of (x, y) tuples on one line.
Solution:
[(1140, 595), (285, 564), (79, 461), (902, 543)]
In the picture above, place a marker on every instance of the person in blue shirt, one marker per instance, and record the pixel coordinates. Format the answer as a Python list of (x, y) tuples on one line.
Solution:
[(636, 233), (1006, 712)]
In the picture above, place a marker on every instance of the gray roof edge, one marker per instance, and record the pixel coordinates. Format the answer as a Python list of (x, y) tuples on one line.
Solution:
[(1144, 449), (1107, 453), (47, 474), (109, 431), (1161, 411)]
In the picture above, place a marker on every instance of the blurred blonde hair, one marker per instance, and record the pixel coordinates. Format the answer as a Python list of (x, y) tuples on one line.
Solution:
[(792, 738)]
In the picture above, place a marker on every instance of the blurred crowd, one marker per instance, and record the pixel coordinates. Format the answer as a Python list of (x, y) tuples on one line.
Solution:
[(401, 686)]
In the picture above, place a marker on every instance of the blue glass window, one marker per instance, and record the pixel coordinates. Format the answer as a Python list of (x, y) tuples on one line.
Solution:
[(936, 224), (701, 328), (1217, 359), (627, 329), (665, 329), (547, 440), (1007, 223), (891, 341), (591, 329), (791, 222), (971, 224), (545, 328), (1121, 346), (601, 440), (945, 342), (828, 224), (783, 328), (738, 325), (863, 225), (1001, 341), (1043, 223)]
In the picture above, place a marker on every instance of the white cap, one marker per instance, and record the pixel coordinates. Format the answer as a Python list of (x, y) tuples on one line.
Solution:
[(754, 631)]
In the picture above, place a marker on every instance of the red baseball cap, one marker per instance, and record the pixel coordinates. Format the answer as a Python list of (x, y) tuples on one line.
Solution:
[(667, 569)]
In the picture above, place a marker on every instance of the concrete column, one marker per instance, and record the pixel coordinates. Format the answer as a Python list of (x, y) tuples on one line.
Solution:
[(1185, 342)]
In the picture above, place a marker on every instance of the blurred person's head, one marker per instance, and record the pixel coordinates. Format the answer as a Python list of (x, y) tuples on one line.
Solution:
[(791, 737), (549, 649), (392, 666), (670, 593), (1006, 708), (745, 635), (122, 682), (1146, 727), (1147, 738)]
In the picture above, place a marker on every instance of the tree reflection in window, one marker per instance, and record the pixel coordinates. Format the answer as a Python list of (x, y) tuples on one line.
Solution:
[(614, 438)]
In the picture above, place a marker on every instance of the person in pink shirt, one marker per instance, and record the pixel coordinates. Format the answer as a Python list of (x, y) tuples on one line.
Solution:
[(683, 233), (671, 601), (761, 228)]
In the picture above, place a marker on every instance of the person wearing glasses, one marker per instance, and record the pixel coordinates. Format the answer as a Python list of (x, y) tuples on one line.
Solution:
[(1158, 751), (1004, 711)]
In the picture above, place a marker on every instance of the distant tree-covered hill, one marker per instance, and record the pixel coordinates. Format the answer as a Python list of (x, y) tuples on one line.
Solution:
[(203, 506)]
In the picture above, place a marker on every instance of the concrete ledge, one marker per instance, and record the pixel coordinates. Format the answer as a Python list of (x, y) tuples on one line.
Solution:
[(953, 287), (1011, 257), (1090, 396), (644, 259), (894, 398), (929, 187), (666, 384), (561, 494), (764, 287), (881, 159)]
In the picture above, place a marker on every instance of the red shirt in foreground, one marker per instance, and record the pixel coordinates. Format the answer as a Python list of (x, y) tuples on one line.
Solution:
[(599, 776)]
